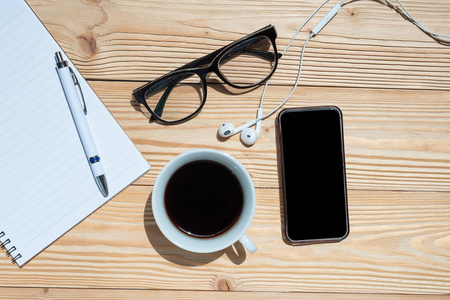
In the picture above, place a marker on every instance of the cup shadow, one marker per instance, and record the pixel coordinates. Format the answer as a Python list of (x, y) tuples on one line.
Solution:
[(236, 253)]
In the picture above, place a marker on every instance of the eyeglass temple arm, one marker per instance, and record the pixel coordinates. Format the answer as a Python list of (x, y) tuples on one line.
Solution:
[(269, 55), (162, 101), (207, 59)]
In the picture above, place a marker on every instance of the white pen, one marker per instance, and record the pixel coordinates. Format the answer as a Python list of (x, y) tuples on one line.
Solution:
[(69, 85)]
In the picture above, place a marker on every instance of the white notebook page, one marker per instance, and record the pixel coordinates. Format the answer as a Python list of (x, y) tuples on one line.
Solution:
[(46, 185)]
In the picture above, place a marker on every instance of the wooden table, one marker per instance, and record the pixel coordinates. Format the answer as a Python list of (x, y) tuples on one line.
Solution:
[(391, 82)]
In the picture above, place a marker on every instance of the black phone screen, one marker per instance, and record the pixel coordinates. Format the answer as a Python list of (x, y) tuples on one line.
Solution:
[(313, 174)]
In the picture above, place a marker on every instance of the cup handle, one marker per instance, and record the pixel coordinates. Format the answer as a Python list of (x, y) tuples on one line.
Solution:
[(248, 244)]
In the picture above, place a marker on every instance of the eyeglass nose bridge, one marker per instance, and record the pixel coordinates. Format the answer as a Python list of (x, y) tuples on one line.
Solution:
[(211, 68)]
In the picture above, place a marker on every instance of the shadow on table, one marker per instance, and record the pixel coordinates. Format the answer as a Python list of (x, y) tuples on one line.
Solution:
[(280, 184), (172, 253), (213, 83)]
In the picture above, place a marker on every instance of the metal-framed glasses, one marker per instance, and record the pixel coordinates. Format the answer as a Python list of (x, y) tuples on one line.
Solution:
[(180, 95)]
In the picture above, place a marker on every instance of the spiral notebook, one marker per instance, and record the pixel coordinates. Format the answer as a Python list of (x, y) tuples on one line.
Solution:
[(46, 185)]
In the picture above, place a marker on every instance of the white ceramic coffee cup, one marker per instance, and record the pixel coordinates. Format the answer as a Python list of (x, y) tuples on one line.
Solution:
[(212, 244)]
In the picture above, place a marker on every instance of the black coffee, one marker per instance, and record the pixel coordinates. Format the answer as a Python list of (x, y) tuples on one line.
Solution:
[(203, 198)]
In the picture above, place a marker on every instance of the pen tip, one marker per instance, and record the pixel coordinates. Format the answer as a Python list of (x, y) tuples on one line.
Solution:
[(102, 185), (58, 57), (60, 62)]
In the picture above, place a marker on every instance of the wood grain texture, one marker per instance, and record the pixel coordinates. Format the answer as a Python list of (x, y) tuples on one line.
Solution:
[(390, 80), (394, 139), (366, 44), (398, 244), (118, 294)]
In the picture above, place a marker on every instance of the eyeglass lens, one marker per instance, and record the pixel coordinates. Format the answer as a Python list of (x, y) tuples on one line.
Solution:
[(248, 63), (176, 97)]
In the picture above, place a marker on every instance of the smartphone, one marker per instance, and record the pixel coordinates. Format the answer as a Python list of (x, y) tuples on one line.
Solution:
[(312, 174)]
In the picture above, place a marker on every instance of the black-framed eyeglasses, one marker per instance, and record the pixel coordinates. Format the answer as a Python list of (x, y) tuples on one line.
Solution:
[(180, 95)]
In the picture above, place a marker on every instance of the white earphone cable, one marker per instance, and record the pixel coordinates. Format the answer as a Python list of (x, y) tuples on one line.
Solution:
[(405, 13), (299, 70), (293, 88), (401, 10)]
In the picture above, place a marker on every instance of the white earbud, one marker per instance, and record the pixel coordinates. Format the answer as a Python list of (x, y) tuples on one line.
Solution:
[(248, 135), (226, 130)]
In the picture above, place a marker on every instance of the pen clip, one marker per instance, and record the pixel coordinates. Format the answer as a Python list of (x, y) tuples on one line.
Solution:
[(79, 91)]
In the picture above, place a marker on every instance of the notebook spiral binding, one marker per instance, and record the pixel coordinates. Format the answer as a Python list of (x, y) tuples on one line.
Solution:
[(10, 250)]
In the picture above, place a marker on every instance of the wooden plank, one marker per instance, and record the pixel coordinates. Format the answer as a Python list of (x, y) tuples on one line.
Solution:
[(394, 139), (366, 45), (119, 294), (398, 245)]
